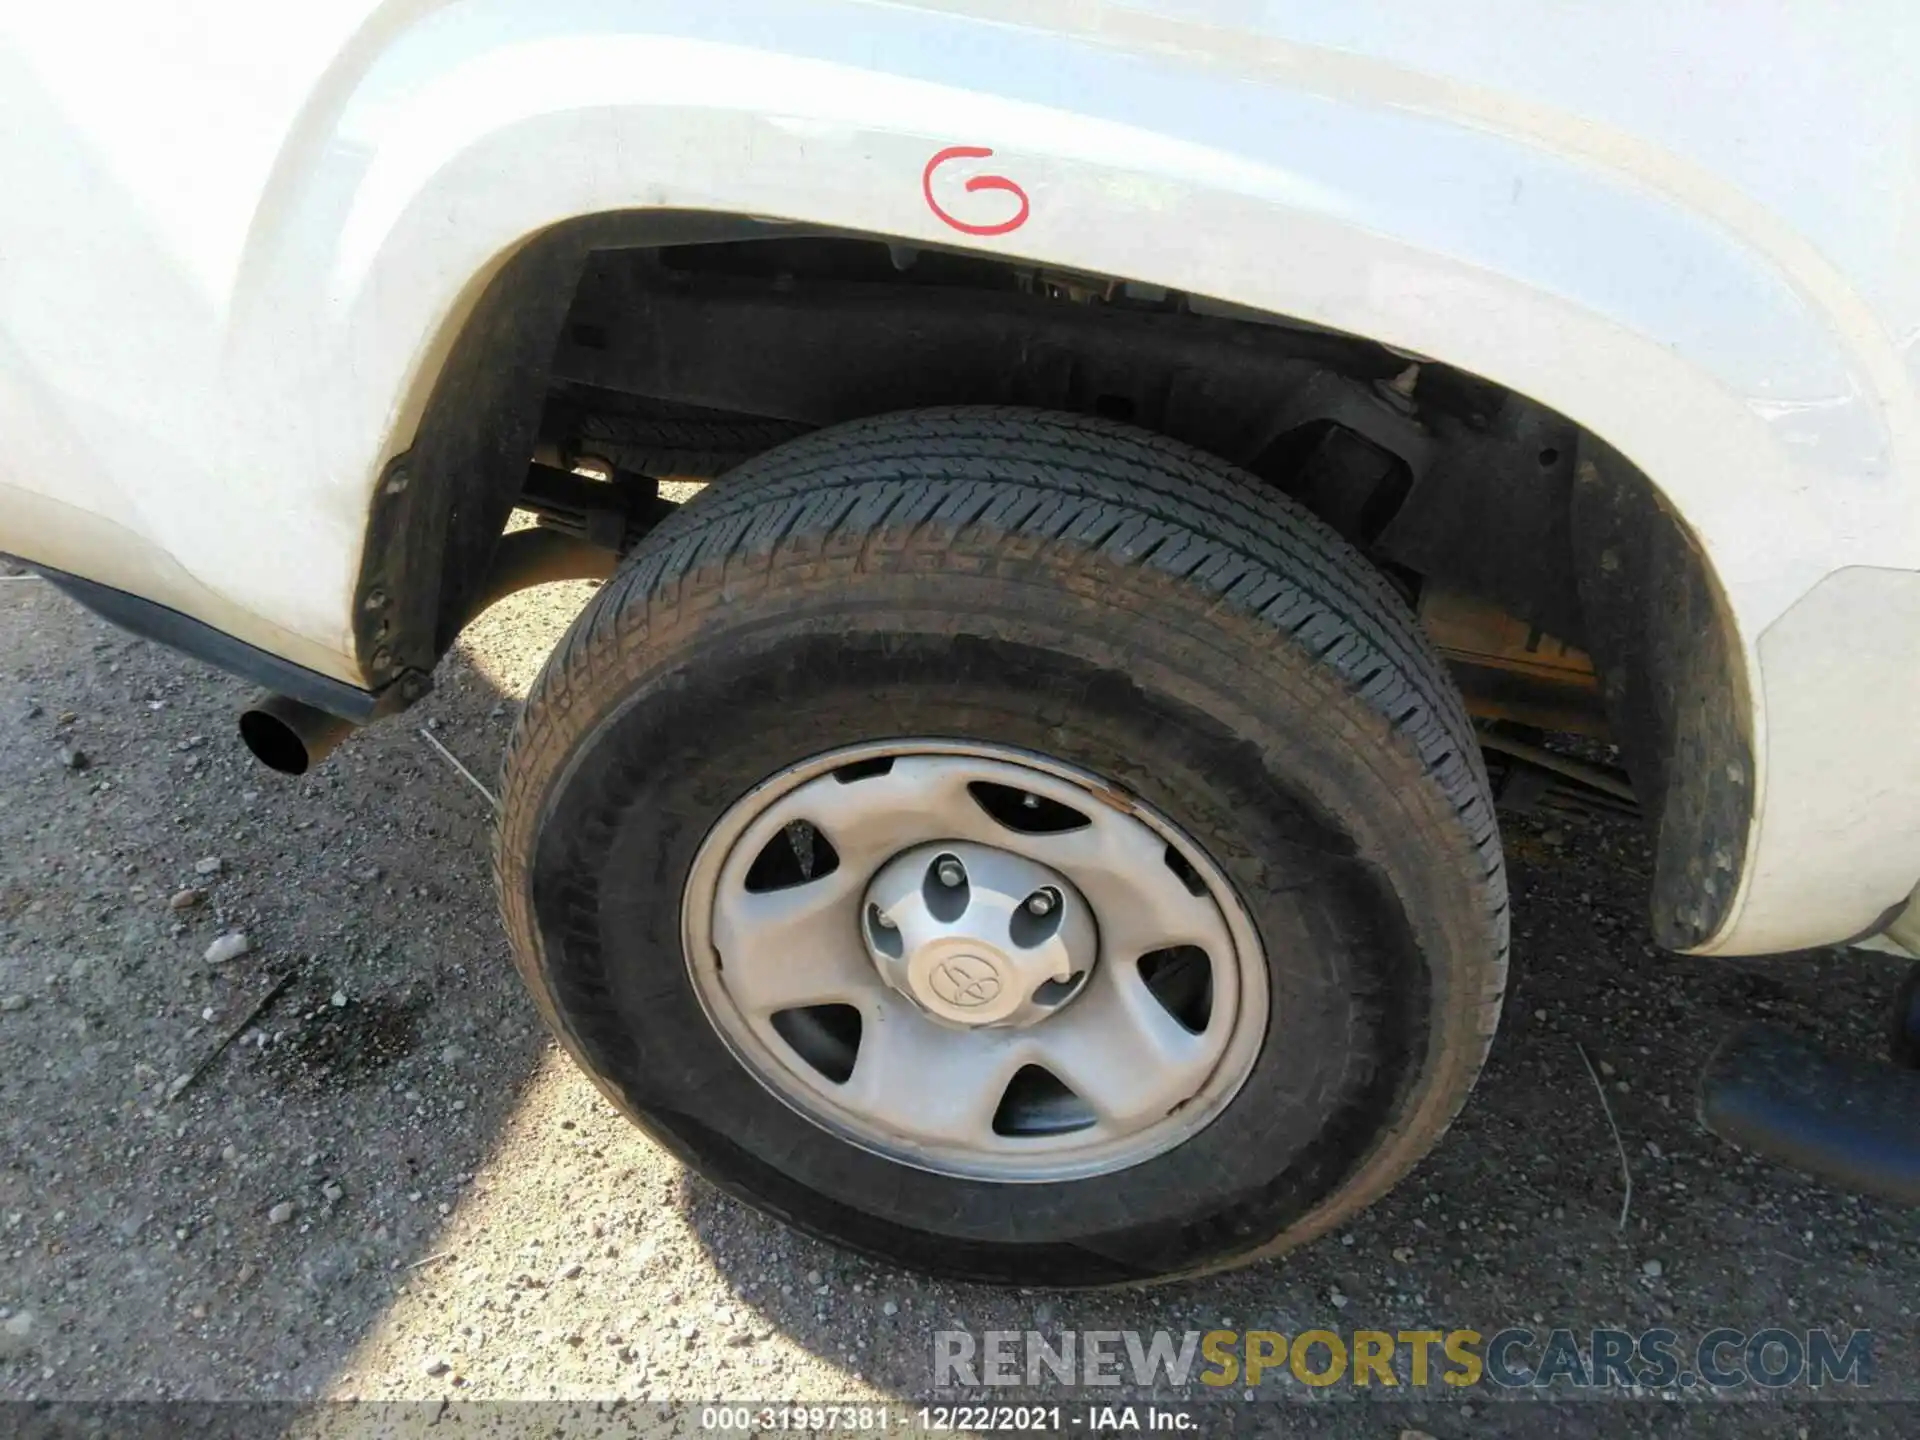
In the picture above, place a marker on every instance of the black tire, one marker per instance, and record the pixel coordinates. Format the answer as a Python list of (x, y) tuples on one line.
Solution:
[(1080, 588)]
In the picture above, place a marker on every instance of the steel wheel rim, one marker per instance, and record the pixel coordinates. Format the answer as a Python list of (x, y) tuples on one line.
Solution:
[(1148, 1054)]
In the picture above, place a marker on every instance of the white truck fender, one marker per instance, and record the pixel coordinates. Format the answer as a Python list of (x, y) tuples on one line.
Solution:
[(1580, 261)]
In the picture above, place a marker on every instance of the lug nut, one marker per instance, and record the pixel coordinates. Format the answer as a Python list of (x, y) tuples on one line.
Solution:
[(885, 922), (1030, 801), (1039, 903), (950, 873)]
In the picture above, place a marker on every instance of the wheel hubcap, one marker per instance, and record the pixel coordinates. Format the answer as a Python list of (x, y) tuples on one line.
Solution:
[(977, 935), (975, 960)]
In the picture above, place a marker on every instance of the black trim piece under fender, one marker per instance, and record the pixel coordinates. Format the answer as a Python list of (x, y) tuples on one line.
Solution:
[(1674, 685), (217, 648)]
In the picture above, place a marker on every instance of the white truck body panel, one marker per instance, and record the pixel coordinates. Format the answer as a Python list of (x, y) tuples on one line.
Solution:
[(237, 240)]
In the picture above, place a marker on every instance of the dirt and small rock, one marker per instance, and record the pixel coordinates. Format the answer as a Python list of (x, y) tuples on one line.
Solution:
[(388, 1183), (228, 947)]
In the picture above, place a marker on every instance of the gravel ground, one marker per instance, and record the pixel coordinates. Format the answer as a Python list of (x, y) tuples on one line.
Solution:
[(390, 1185)]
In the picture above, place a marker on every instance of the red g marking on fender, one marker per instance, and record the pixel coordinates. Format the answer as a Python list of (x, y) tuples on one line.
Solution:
[(978, 182)]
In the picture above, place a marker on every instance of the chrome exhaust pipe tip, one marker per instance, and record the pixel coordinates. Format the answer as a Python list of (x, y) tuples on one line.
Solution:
[(289, 735)]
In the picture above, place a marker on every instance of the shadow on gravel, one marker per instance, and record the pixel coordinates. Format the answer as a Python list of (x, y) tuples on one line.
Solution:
[(217, 1173)]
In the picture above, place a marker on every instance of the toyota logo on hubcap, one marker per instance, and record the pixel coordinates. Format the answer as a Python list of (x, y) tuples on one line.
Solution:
[(965, 982)]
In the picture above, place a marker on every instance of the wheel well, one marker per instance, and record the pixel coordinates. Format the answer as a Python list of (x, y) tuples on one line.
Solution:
[(610, 354)]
